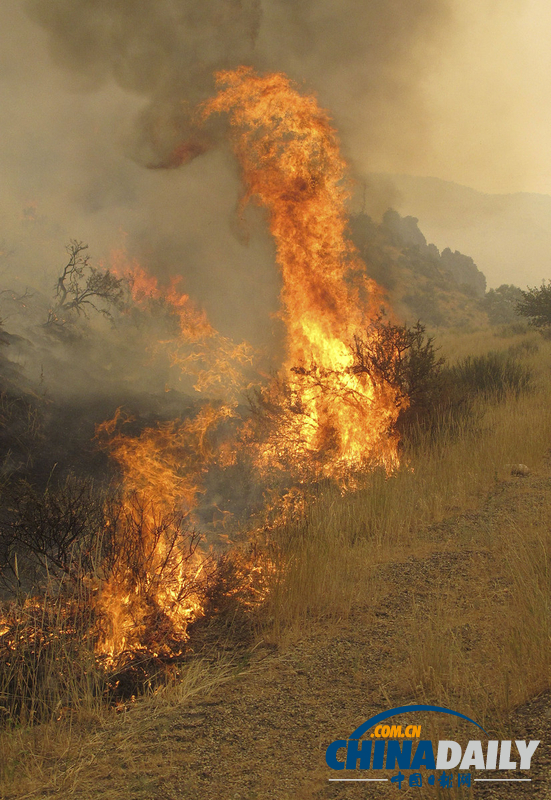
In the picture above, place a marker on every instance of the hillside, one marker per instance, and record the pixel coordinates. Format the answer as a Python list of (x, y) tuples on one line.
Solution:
[(440, 289), (508, 236)]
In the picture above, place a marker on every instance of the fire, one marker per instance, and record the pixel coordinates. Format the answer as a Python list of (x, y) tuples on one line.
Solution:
[(154, 587), (144, 578), (158, 583), (196, 348), (326, 419), (338, 420), (321, 417)]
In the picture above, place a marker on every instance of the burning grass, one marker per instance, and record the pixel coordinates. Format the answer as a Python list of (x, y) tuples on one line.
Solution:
[(99, 635), (482, 625), (113, 591), (121, 580)]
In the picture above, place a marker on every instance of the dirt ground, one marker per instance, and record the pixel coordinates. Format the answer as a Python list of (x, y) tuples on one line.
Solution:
[(263, 734)]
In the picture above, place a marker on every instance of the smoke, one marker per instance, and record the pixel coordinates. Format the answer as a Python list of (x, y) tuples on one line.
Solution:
[(363, 58), (165, 52), (100, 101)]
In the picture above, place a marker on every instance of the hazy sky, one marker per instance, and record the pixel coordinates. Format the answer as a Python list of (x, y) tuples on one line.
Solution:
[(92, 92), (490, 92)]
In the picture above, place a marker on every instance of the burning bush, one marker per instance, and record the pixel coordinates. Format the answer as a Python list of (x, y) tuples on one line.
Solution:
[(81, 288), (99, 583)]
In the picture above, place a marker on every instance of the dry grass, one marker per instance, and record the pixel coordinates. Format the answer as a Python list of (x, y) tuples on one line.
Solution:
[(333, 557), (482, 639), (483, 642), (48, 669), (60, 755)]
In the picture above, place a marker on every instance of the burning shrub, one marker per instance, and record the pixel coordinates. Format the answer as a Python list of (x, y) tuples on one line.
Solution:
[(439, 395), (100, 578), (150, 585), (405, 358), (429, 394), (116, 584), (82, 287)]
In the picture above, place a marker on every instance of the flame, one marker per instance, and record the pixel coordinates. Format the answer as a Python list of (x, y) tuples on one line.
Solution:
[(321, 416), (329, 420), (157, 584), (155, 587), (289, 155), (197, 348)]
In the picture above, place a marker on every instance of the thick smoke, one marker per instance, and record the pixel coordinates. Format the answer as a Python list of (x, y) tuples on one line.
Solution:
[(166, 52), (100, 106)]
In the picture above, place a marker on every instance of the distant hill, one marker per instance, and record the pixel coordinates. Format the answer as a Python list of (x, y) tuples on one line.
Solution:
[(507, 235), (440, 289)]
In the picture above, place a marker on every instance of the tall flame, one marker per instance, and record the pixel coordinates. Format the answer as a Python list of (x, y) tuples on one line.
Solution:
[(292, 166), (330, 419)]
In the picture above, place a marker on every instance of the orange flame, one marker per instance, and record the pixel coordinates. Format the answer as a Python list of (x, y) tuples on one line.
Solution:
[(155, 583), (197, 349), (331, 420), (291, 164)]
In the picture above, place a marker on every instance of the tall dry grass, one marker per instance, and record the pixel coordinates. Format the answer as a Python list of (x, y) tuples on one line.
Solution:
[(58, 755), (332, 558)]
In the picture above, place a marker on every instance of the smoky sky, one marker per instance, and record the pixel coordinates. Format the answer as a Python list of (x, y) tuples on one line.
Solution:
[(98, 95), (353, 54)]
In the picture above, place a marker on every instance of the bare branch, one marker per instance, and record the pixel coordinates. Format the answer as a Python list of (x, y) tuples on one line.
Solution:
[(82, 287)]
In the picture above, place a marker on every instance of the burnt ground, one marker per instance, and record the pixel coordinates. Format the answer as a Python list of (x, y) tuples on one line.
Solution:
[(262, 734)]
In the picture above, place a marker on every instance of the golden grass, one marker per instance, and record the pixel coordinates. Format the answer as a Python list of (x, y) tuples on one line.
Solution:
[(332, 558), (482, 642), (59, 755)]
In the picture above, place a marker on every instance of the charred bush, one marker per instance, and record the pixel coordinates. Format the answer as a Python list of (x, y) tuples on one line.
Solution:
[(82, 288), (50, 532), (21, 415)]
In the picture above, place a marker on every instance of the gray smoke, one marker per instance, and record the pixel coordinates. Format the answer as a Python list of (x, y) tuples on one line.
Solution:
[(96, 91), (166, 52)]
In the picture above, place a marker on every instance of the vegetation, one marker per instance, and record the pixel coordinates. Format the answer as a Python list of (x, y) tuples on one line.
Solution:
[(440, 395), (480, 630), (536, 306), (501, 304), (81, 288), (476, 403)]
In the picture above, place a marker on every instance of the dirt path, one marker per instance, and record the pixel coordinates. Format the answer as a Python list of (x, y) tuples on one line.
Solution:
[(263, 735)]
